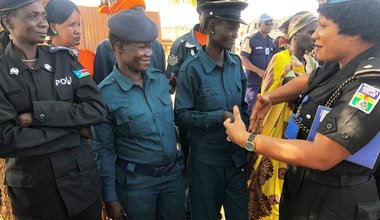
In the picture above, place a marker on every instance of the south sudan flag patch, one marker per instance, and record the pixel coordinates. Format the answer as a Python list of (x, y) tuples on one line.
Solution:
[(81, 73), (365, 98)]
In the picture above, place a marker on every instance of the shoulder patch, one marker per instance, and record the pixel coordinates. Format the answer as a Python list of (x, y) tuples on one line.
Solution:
[(172, 60), (370, 65), (365, 98), (55, 49), (81, 73)]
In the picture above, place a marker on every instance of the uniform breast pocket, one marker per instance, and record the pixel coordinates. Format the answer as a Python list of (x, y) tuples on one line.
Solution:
[(131, 122), (20, 99), (167, 108), (65, 92), (210, 99)]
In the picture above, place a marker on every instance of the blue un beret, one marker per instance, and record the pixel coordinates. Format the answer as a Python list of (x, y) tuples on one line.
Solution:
[(225, 9), (6, 5), (133, 26)]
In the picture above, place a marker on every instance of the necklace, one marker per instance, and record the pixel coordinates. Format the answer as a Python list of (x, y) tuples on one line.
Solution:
[(29, 61)]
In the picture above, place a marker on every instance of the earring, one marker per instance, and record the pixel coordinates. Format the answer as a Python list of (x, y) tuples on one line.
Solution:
[(55, 32)]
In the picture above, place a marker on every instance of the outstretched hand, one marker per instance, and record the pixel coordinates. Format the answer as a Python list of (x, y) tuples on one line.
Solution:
[(236, 131), (259, 111)]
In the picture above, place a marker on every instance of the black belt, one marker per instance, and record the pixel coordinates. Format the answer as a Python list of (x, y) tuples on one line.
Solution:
[(334, 180), (147, 170)]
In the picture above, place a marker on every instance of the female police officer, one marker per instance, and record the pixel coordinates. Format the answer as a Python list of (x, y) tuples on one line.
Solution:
[(209, 84), (45, 99), (330, 178), (146, 178)]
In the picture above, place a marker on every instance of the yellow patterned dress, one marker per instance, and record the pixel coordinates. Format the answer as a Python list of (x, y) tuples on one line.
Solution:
[(267, 175)]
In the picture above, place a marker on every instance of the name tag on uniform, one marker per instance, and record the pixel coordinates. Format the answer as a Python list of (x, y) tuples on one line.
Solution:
[(292, 129), (267, 51), (259, 48)]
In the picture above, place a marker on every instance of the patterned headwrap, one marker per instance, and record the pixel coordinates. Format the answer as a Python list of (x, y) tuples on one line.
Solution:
[(113, 6), (299, 21)]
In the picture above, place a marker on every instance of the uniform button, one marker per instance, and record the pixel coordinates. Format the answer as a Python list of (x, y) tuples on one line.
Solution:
[(308, 116), (345, 136), (162, 134), (329, 126), (156, 115), (42, 116), (228, 93)]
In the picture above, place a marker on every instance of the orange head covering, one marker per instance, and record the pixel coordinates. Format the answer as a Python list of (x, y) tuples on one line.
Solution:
[(113, 6)]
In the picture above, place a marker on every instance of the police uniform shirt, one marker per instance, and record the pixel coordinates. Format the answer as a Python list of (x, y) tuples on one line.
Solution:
[(205, 91), (183, 47), (105, 59), (48, 161), (259, 51), (139, 127), (345, 124)]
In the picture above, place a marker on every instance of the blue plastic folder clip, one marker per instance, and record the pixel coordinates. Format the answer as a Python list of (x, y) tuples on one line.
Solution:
[(366, 157)]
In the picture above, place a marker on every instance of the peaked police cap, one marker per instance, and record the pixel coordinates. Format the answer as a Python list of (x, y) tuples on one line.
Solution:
[(224, 9)]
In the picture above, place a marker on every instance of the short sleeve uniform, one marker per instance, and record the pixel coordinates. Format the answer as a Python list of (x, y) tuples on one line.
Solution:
[(353, 122)]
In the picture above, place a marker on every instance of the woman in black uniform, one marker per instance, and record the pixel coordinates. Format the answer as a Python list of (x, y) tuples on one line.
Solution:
[(46, 99), (330, 176)]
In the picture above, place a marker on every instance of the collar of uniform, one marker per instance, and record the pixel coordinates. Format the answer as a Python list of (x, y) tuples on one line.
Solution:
[(208, 63), (126, 83), (11, 52), (260, 36), (192, 40), (43, 60)]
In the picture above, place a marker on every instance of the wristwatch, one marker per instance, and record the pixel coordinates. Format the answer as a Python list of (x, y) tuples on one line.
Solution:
[(250, 143)]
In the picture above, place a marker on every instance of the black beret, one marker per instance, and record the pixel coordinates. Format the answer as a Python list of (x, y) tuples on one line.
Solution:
[(225, 9), (6, 5), (133, 26)]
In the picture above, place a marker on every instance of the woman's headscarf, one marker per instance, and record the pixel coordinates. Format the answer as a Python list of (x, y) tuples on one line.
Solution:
[(113, 6), (299, 21)]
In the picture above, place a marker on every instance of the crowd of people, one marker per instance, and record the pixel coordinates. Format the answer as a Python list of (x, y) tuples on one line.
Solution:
[(287, 129)]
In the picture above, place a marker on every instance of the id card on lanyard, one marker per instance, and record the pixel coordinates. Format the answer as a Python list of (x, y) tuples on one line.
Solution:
[(293, 128)]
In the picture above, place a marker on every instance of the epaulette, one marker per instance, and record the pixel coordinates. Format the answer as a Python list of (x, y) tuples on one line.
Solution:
[(369, 67), (178, 42), (107, 81), (73, 52)]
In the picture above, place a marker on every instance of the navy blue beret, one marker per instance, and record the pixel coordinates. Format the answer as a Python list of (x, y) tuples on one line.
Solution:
[(6, 5), (225, 9), (133, 26)]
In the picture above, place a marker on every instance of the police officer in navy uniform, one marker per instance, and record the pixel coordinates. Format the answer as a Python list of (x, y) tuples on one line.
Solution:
[(184, 47), (146, 179), (209, 84), (47, 100), (331, 167), (256, 53)]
